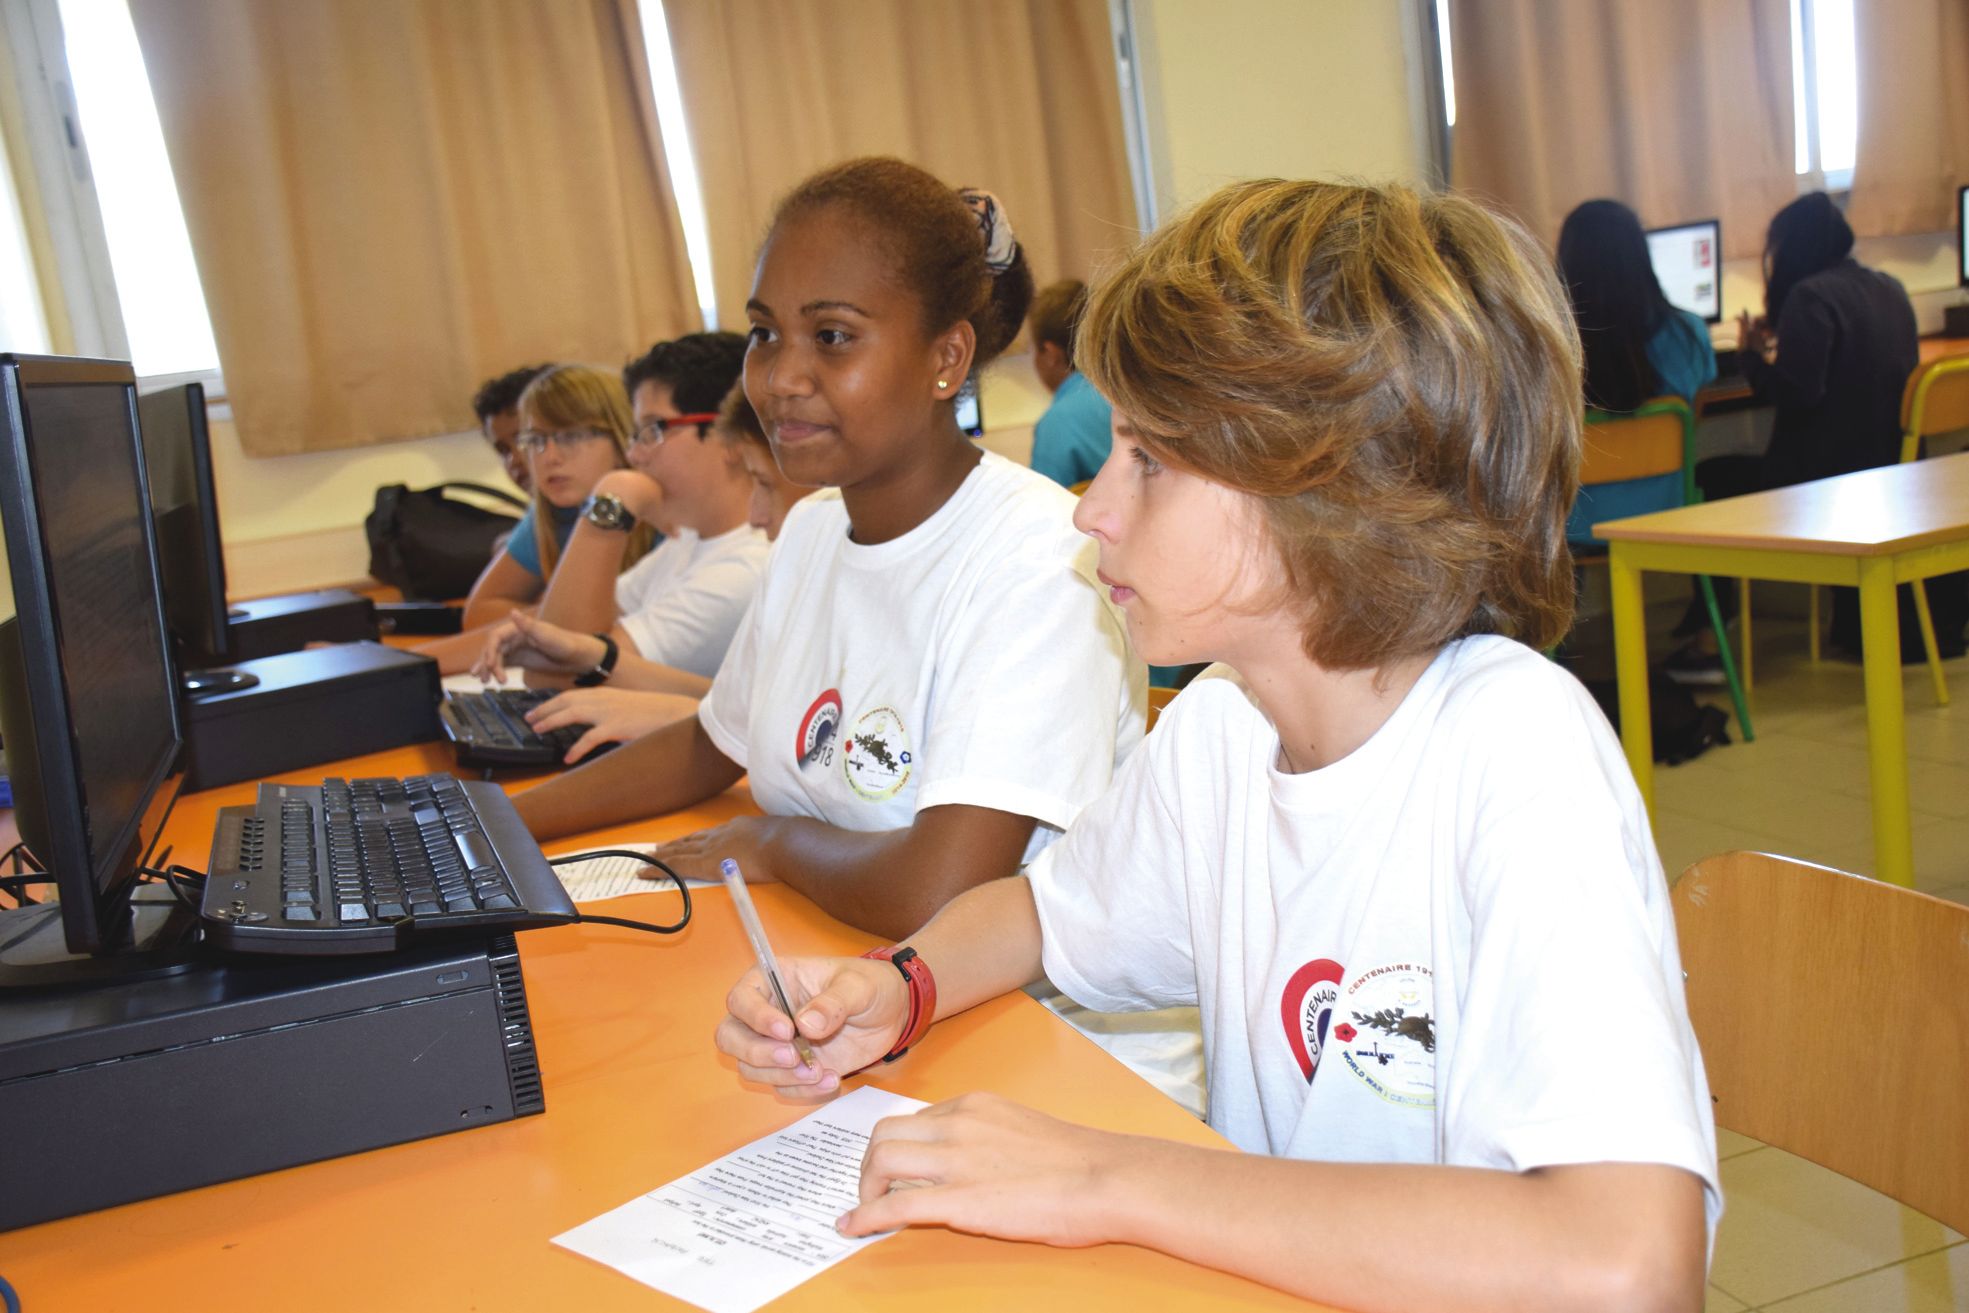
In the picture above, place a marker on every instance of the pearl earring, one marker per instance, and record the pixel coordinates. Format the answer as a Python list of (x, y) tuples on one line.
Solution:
[(941, 383)]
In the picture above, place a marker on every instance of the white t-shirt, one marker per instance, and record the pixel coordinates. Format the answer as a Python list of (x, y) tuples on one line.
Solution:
[(1454, 945), (973, 660), (681, 604)]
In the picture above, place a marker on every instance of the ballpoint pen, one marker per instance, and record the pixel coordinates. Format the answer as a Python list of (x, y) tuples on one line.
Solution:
[(748, 916)]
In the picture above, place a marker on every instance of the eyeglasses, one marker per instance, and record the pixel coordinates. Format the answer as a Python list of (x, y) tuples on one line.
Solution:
[(655, 431), (533, 442)]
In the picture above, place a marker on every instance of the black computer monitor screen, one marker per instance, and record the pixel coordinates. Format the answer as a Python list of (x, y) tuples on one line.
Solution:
[(1962, 233), (87, 689), (1688, 264), (190, 556), (970, 411)]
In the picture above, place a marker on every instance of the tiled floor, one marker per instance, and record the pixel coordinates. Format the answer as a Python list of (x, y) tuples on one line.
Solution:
[(1796, 1237)]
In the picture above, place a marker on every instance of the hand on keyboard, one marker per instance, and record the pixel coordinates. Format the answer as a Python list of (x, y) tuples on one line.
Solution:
[(531, 644), (613, 715)]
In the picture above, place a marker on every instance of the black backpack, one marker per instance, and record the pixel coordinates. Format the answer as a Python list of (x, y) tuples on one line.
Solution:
[(430, 546), (1683, 728)]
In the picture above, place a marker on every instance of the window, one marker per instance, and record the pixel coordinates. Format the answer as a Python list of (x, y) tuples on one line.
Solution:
[(1824, 92), (121, 260), (23, 322), (165, 323), (1824, 89), (677, 152)]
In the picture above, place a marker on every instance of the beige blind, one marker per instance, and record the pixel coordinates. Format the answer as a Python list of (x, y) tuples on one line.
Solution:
[(1679, 108), (1014, 96), (391, 200), (1913, 148)]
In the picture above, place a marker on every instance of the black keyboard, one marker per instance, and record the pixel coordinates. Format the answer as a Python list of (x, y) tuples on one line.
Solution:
[(490, 729), (362, 866)]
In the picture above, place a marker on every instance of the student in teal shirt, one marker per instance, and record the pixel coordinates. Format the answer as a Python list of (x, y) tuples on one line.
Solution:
[(1071, 440), (1636, 346)]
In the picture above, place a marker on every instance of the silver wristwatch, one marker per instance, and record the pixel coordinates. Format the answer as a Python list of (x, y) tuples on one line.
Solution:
[(606, 512)]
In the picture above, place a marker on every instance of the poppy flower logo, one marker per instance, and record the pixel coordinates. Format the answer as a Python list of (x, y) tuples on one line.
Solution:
[(1344, 1033)]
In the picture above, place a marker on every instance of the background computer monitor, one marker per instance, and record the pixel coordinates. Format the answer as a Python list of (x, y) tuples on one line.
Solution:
[(178, 459), (970, 410), (88, 695), (1688, 263), (191, 558), (1962, 233)]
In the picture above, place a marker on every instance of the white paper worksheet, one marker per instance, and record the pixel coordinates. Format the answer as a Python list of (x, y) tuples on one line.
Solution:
[(611, 877), (754, 1224)]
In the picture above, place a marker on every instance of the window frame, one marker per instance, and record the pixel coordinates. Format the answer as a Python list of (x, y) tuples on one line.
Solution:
[(70, 206)]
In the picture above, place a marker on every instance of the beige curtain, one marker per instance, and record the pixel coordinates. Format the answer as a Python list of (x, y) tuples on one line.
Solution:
[(391, 200), (1913, 148), (1680, 108), (1014, 96)]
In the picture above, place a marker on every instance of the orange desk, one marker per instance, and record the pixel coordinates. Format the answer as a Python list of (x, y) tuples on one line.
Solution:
[(1736, 389), (636, 1096)]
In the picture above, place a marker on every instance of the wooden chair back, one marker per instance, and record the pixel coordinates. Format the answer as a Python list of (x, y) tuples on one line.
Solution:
[(1658, 438), (1833, 1013), (1936, 400), (1158, 699)]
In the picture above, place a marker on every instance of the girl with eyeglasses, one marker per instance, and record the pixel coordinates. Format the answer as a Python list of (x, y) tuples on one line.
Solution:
[(575, 428), (640, 695)]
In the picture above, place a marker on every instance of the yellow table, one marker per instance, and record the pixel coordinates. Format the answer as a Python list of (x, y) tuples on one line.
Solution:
[(1870, 530)]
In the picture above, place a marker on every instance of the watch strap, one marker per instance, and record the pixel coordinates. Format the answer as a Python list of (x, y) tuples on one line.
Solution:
[(922, 995), (603, 668)]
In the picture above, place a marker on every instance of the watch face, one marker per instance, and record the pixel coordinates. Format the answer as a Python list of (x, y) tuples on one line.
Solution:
[(608, 512)]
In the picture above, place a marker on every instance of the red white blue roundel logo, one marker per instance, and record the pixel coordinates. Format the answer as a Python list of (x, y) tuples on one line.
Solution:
[(1306, 1008), (817, 728)]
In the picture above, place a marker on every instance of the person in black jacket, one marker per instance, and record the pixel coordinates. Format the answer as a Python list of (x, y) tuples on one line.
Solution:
[(1832, 354)]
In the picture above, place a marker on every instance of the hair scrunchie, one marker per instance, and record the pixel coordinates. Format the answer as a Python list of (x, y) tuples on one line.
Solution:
[(1001, 247)]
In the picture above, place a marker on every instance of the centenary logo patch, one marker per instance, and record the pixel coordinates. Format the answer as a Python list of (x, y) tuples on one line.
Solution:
[(1389, 1037), (815, 742), (1306, 1008), (876, 756)]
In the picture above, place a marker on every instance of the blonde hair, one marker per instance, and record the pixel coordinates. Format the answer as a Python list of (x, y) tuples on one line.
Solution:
[(1395, 378), (577, 396)]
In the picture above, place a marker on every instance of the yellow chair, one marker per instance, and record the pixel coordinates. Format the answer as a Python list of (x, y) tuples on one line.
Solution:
[(1833, 1013), (1936, 401), (1158, 699), (1656, 440)]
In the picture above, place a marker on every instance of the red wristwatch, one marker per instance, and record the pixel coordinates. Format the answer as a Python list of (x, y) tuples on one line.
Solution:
[(922, 995)]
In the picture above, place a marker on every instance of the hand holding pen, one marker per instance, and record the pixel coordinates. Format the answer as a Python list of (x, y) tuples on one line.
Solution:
[(850, 1013)]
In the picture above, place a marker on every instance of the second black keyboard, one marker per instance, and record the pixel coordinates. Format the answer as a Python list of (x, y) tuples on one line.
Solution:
[(490, 729)]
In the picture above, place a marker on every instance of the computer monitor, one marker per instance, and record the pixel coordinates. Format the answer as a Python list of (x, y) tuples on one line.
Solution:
[(970, 410), (88, 694), (1962, 233), (1688, 264), (190, 555)]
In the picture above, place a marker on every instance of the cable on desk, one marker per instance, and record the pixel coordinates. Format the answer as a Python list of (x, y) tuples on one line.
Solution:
[(7, 1296), (170, 877), (582, 918)]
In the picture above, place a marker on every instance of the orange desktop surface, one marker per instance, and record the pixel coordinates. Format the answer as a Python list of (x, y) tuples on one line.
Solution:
[(636, 1096)]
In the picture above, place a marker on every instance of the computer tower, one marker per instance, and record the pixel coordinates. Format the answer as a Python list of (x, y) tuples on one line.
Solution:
[(310, 707), (268, 626), (229, 1068)]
